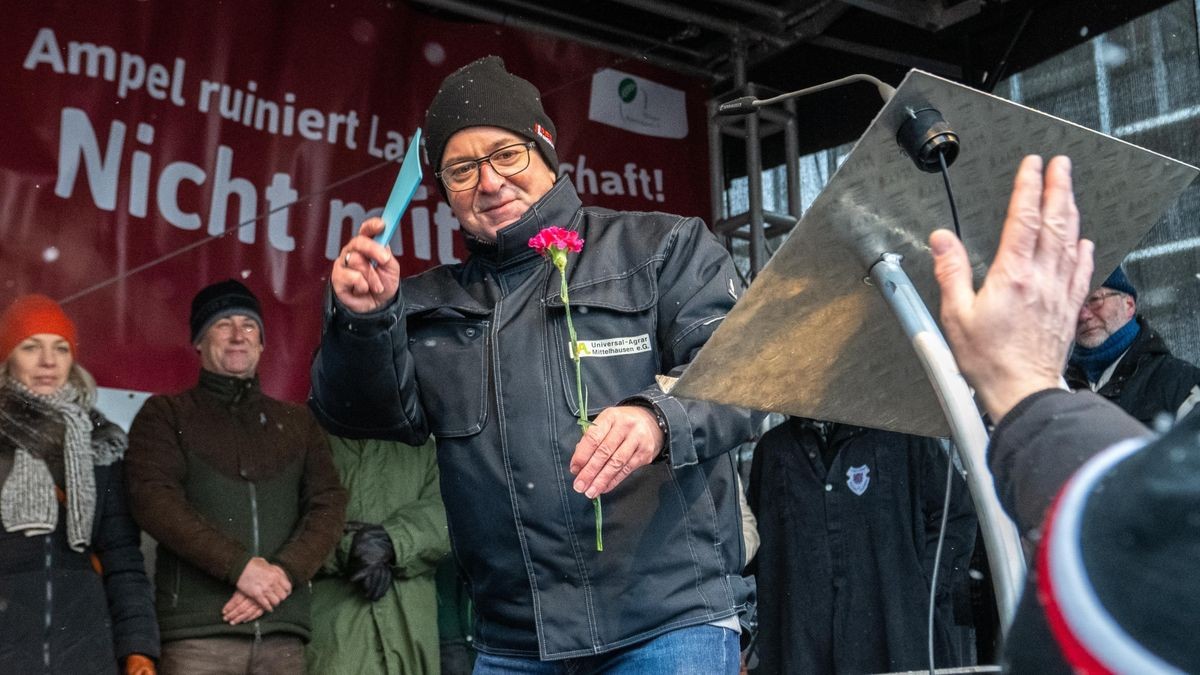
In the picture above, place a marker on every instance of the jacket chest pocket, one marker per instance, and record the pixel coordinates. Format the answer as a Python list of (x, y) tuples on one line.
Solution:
[(450, 356), (616, 331)]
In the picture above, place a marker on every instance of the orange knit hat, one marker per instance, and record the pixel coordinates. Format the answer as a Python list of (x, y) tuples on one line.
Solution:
[(30, 315)]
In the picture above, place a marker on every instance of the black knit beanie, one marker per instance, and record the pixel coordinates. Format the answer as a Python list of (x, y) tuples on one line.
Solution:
[(483, 93), (219, 300)]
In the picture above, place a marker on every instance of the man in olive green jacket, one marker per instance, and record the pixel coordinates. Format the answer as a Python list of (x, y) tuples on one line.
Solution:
[(374, 602)]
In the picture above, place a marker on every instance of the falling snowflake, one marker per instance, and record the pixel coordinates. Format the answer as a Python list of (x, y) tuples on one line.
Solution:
[(435, 53), (50, 254)]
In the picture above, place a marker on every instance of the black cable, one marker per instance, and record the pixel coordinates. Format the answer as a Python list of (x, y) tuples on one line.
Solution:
[(949, 193), (1002, 65), (937, 556)]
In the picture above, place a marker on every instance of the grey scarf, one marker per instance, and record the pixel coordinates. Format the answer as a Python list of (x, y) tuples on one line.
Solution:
[(38, 427)]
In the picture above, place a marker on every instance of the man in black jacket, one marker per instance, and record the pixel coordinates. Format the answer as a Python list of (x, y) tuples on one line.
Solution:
[(849, 519), (477, 354), (1113, 587), (1119, 356)]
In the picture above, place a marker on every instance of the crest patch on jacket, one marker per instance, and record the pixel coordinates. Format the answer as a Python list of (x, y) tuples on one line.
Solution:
[(858, 478)]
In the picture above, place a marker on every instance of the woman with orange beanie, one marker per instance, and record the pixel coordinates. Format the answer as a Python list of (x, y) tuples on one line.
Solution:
[(74, 596)]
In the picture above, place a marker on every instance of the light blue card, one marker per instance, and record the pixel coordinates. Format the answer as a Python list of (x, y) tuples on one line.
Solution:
[(405, 187)]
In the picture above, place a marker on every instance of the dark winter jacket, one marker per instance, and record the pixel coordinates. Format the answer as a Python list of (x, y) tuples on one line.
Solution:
[(1034, 450), (849, 520), (1147, 381), (58, 614), (222, 473), (476, 353)]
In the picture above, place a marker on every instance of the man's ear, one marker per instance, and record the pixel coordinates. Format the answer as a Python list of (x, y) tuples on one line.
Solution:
[(1130, 306)]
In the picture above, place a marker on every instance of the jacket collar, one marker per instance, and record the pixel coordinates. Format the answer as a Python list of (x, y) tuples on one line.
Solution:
[(1148, 340), (226, 388), (557, 207), (829, 433)]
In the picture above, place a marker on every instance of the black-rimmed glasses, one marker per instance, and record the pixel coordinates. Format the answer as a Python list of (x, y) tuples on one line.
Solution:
[(507, 161)]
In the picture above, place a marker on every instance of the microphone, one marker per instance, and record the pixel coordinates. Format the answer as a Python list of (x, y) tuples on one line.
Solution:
[(928, 139), (747, 104), (738, 106)]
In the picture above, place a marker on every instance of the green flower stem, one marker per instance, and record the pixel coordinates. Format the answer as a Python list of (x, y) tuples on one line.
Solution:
[(599, 522), (560, 261)]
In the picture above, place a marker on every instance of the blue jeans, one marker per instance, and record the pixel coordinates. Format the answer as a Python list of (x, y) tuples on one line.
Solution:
[(696, 649)]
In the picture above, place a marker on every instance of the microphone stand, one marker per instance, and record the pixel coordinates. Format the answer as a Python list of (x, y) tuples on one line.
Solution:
[(747, 104)]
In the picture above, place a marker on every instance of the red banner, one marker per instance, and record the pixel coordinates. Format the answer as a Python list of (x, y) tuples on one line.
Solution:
[(136, 133)]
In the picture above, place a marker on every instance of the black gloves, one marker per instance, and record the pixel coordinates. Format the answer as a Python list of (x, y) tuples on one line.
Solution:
[(371, 558)]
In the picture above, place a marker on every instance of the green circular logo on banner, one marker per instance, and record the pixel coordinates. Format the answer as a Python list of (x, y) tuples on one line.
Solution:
[(627, 90)]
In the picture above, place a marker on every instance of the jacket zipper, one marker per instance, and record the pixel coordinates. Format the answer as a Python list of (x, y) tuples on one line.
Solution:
[(254, 543), (49, 601)]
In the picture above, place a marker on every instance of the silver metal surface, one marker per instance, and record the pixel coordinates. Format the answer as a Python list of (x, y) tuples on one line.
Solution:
[(812, 338)]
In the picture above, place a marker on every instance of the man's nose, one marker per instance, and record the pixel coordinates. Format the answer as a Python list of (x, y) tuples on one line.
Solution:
[(489, 180)]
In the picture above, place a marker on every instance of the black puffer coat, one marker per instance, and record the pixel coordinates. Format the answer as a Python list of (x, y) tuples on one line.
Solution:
[(57, 614)]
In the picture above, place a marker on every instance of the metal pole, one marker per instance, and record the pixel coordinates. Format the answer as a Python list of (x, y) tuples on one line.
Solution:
[(966, 427), (716, 179), (759, 8), (758, 249), (791, 146)]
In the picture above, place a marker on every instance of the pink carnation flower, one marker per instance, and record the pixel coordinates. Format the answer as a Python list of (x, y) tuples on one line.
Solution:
[(558, 238)]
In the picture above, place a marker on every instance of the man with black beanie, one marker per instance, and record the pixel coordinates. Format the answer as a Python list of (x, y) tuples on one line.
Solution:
[(240, 492), (477, 355)]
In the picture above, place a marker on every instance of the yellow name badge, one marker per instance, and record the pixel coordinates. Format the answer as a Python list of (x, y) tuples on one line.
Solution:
[(613, 346)]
